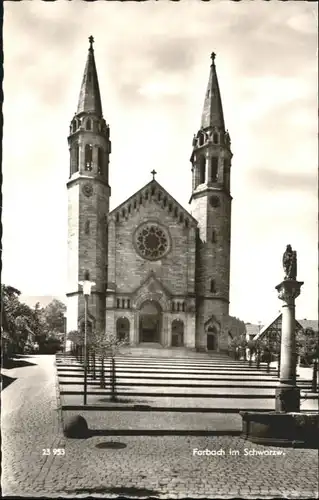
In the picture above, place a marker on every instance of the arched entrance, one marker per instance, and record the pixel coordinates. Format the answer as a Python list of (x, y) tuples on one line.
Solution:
[(177, 333), (211, 339), (150, 322), (123, 329)]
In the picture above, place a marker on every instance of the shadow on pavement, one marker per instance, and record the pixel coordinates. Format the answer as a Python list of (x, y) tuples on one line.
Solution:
[(120, 400), (160, 432), (16, 363), (6, 381), (125, 492), (23, 356), (111, 445)]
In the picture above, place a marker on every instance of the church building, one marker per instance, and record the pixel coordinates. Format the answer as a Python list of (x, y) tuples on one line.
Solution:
[(161, 272)]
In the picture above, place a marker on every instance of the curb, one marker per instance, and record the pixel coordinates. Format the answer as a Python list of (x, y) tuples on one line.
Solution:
[(58, 398)]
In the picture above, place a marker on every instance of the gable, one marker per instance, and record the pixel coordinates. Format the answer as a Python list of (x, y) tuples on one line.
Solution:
[(153, 193), (153, 285), (274, 328)]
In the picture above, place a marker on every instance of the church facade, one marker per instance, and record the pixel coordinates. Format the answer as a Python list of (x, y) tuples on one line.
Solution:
[(161, 272)]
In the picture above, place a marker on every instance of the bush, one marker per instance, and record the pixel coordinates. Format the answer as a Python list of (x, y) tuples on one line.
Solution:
[(50, 346)]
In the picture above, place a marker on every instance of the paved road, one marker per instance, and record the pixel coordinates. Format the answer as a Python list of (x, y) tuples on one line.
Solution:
[(161, 466), (29, 421)]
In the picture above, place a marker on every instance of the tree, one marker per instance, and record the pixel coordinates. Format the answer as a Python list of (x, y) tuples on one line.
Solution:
[(107, 345), (236, 327), (77, 339), (53, 316), (21, 322), (307, 346)]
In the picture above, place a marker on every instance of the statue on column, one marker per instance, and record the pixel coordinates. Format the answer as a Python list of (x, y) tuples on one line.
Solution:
[(289, 262)]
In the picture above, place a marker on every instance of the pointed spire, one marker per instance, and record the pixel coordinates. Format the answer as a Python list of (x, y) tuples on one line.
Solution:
[(89, 99), (212, 115)]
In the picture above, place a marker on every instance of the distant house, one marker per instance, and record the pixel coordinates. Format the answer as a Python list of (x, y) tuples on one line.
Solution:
[(272, 330), (252, 330)]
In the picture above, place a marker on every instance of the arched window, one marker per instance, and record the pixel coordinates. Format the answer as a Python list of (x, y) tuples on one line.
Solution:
[(181, 218), (123, 303), (88, 124), (118, 303), (74, 126), (152, 191), (215, 138), (226, 173), (178, 306), (100, 161), (88, 156), (173, 306), (170, 207), (77, 158), (141, 200), (135, 204), (201, 138), (123, 213), (176, 212), (183, 306), (146, 195), (159, 196), (117, 217), (202, 165), (214, 168), (186, 223), (212, 286), (74, 159), (129, 209), (165, 202)]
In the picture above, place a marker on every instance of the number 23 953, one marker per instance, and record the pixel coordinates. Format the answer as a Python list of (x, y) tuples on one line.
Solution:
[(54, 451)]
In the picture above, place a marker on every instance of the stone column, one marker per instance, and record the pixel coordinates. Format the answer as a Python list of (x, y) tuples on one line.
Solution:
[(287, 393), (134, 336)]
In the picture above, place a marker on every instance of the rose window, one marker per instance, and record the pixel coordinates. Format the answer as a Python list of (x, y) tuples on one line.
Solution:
[(151, 241)]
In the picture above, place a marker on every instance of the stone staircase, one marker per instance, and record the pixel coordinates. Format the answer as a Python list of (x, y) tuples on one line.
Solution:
[(177, 380)]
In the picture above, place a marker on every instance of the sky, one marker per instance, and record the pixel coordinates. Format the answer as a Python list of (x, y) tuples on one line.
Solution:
[(153, 63)]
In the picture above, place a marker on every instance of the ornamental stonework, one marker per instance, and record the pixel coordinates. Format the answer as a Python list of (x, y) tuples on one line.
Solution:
[(152, 240)]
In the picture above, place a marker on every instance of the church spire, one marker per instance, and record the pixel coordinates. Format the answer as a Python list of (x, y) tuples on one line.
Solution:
[(212, 116), (89, 99)]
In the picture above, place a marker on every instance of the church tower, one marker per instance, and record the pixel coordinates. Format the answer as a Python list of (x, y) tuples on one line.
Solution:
[(88, 202), (211, 206)]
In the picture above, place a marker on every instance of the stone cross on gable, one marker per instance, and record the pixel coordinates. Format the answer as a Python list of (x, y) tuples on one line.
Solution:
[(153, 174)]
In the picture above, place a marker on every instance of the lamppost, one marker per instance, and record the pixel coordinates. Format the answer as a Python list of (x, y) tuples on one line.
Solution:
[(86, 287)]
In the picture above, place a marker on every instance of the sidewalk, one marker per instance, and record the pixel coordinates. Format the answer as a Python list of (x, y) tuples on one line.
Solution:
[(29, 423)]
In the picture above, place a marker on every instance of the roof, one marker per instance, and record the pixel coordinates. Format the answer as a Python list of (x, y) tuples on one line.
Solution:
[(148, 191), (90, 99), (309, 323), (213, 115), (252, 329)]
